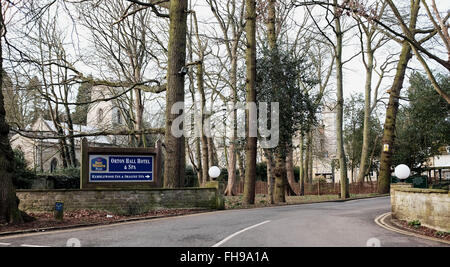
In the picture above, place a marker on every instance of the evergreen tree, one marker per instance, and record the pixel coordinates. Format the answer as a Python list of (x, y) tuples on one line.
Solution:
[(33, 90), (423, 126), (81, 111), (11, 103)]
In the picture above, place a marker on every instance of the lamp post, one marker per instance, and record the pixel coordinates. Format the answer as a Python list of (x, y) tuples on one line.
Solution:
[(214, 172), (402, 171)]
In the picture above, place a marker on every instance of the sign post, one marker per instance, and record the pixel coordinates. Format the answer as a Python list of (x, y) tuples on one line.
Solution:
[(59, 210), (104, 167)]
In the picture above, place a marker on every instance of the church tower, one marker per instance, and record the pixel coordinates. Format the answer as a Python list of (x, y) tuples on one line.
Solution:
[(329, 114), (104, 115)]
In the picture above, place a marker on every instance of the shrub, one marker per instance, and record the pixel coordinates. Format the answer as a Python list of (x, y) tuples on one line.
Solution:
[(23, 177), (415, 223), (190, 177), (68, 178)]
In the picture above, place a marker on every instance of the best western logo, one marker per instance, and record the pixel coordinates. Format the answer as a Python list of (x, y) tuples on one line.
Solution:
[(98, 164)]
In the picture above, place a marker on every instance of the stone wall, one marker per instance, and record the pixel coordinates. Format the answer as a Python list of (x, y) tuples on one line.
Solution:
[(118, 201), (430, 206)]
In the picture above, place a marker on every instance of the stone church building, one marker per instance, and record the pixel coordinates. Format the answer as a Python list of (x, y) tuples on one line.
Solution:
[(325, 148), (44, 154)]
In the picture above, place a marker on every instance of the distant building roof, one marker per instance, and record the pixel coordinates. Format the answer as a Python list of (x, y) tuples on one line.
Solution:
[(49, 126)]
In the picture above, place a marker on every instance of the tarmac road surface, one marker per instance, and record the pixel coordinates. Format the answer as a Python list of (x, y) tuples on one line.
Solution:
[(348, 223)]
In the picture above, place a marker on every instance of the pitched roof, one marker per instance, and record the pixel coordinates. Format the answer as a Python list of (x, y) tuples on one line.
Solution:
[(49, 126)]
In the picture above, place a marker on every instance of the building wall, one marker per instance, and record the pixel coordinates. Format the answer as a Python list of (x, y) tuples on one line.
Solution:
[(329, 122), (105, 120), (441, 161), (112, 119), (44, 151), (118, 201), (430, 206), (34, 150), (27, 146)]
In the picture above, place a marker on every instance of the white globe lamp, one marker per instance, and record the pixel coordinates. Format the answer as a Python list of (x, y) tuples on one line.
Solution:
[(214, 172), (402, 171)]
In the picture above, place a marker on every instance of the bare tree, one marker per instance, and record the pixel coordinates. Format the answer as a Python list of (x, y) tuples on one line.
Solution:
[(369, 31), (392, 108), (175, 146), (440, 26), (126, 44), (333, 17), (9, 211), (230, 17), (251, 148)]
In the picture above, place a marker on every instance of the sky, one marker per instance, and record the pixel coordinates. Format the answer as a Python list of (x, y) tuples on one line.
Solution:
[(354, 73)]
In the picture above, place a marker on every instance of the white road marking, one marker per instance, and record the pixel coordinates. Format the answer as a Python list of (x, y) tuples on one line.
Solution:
[(380, 221), (239, 232), (5, 244), (33, 246)]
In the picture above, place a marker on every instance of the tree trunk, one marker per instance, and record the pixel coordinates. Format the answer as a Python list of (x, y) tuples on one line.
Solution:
[(9, 211), (251, 146), (240, 162), (281, 152), (340, 107), (367, 113), (174, 169), (384, 178), (199, 158), (211, 153), (139, 114), (232, 153), (389, 124), (205, 151), (232, 148), (290, 171), (352, 172), (280, 174), (271, 32), (231, 170), (372, 155), (306, 162), (270, 176), (310, 160), (198, 140), (229, 191), (301, 180), (71, 149)]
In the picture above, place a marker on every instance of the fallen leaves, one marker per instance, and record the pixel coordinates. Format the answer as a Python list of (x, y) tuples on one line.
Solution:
[(86, 217)]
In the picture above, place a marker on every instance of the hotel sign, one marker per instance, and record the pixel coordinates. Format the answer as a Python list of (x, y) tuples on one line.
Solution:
[(118, 168), (114, 167)]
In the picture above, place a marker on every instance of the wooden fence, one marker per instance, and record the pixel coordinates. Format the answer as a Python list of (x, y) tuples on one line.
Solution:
[(313, 189)]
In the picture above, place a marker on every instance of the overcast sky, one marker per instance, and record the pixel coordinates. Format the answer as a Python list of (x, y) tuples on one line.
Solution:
[(354, 75)]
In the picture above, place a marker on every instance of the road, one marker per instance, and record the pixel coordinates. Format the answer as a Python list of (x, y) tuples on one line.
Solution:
[(348, 223)]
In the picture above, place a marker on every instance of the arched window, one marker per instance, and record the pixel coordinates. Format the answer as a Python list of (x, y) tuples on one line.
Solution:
[(53, 165), (99, 115)]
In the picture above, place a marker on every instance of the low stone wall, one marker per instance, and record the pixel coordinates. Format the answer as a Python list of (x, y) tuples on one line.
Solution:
[(118, 201), (430, 206)]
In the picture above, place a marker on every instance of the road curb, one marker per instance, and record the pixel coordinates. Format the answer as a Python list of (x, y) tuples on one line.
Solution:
[(357, 198), (306, 203), (380, 221)]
